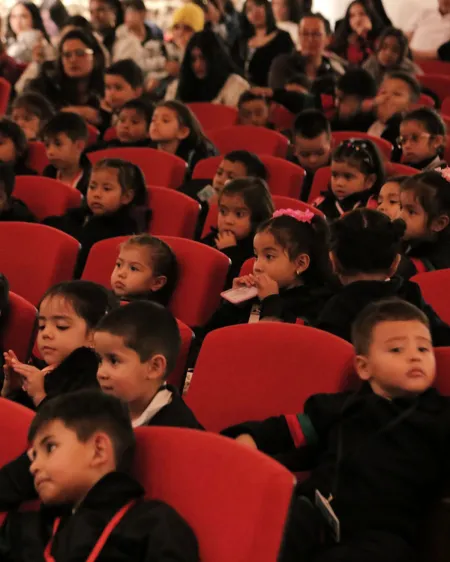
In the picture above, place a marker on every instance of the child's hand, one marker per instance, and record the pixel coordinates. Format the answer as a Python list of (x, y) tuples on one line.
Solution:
[(244, 281), (246, 440), (13, 381), (225, 239), (266, 286), (33, 380)]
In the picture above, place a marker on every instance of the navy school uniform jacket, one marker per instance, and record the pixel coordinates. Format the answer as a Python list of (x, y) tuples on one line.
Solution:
[(116, 143), (342, 309), (431, 255), (151, 531), (394, 455), (83, 183), (333, 208)]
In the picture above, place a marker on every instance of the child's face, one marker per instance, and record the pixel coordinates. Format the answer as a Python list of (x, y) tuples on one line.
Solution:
[(254, 112), (313, 154), (389, 52), (60, 330), (27, 121), (346, 180), (346, 105), (234, 216), (273, 260), (226, 172), (389, 200), (8, 152), (62, 151), (417, 143), (61, 464), (131, 126), (414, 215), (118, 91), (104, 194), (396, 98), (165, 126), (400, 360), (133, 272)]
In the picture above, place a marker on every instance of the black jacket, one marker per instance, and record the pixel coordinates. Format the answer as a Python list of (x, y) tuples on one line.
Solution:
[(432, 255), (115, 143), (85, 164), (175, 414), (151, 531), (17, 211), (341, 310), (333, 209)]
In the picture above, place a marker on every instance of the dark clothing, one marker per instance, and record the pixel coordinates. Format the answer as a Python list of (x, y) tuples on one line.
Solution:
[(341, 310), (151, 531), (256, 66), (89, 229), (175, 414), (295, 102), (21, 169), (431, 255), (444, 51), (17, 211), (83, 183), (334, 208), (10, 70), (115, 143)]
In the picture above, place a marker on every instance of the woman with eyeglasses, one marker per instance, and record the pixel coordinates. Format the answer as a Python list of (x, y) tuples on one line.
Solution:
[(75, 81)]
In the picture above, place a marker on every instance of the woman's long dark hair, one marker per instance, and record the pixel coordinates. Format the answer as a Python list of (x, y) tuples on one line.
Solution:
[(35, 17), (218, 64), (247, 29)]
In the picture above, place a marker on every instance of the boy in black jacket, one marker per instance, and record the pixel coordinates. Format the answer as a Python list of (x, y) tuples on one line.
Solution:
[(82, 447), (379, 456)]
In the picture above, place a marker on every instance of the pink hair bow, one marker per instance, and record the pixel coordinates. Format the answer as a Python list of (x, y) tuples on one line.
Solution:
[(301, 216), (445, 173)]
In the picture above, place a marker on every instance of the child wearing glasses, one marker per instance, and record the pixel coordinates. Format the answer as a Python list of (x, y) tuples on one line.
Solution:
[(422, 139)]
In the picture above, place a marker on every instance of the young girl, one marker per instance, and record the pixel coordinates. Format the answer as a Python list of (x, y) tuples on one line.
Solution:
[(31, 111), (243, 204), (389, 197), (391, 55), (68, 314), (357, 174), (425, 208), (422, 139), (365, 252), (146, 269), (175, 129), (14, 147), (115, 205)]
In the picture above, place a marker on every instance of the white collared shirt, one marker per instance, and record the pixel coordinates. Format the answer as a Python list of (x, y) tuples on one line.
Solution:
[(430, 30), (162, 398)]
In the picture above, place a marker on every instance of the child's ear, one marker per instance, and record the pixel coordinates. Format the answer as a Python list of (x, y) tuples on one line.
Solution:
[(127, 197), (440, 223), (362, 367), (301, 263), (394, 265), (437, 142), (156, 367), (183, 133), (370, 180), (139, 91), (90, 338), (158, 282), (80, 145), (102, 449)]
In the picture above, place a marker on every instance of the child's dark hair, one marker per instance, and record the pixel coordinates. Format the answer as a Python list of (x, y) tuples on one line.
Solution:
[(10, 130), (311, 123), (36, 104), (253, 164), (89, 300), (388, 310), (432, 191), (147, 328), (250, 96), (317, 16), (129, 71), (297, 237), (87, 411), (357, 82), (396, 179), (7, 179), (163, 261), (144, 108), (365, 241), (256, 196), (410, 81), (79, 21), (130, 177), (431, 121), (299, 79), (66, 123), (363, 155), (401, 38)]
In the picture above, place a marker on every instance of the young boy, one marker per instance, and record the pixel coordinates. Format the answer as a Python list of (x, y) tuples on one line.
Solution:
[(312, 145), (352, 90), (82, 448), (65, 137), (379, 456), (254, 110)]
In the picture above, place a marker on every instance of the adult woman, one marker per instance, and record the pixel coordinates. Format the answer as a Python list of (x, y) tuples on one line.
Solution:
[(261, 41), (287, 14), (75, 81), (207, 73)]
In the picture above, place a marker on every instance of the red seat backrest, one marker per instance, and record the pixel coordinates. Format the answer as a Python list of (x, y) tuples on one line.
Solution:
[(247, 137), (434, 286), (37, 156), (254, 371), (396, 169), (385, 147), (15, 422), (445, 108), (173, 213), (93, 134), (437, 83), (20, 327), (177, 376), (196, 472), (320, 183), (434, 66), (5, 91), (424, 101), (110, 134), (247, 267), (214, 115), (442, 382), (281, 117), (46, 196), (158, 167)]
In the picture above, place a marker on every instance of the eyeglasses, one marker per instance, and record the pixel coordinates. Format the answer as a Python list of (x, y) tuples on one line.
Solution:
[(414, 138), (78, 53)]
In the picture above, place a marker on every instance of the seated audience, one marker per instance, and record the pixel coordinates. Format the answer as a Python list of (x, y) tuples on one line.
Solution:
[(353, 90), (14, 148), (11, 208), (389, 197), (31, 111), (132, 127), (254, 109), (287, 14), (136, 22)]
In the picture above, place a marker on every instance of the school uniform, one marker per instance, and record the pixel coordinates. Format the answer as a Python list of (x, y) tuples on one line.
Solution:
[(389, 131), (17, 211), (150, 531), (21, 169), (429, 164), (425, 256), (342, 309), (81, 182), (116, 143), (381, 462), (334, 208)]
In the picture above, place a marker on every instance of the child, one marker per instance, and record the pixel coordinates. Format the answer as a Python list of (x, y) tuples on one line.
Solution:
[(243, 204), (68, 314), (379, 455), (115, 205), (11, 209), (312, 145), (391, 55), (176, 130), (422, 139), (31, 111), (389, 197), (365, 252), (65, 137), (354, 88), (357, 174), (425, 208), (146, 269), (14, 147), (138, 346), (82, 449), (254, 110)]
